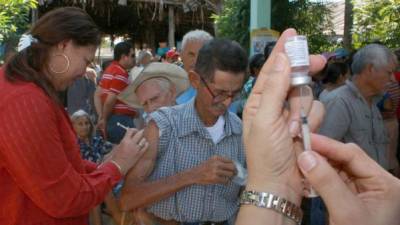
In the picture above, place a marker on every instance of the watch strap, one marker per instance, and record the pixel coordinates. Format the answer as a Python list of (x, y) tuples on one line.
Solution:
[(274, 202)]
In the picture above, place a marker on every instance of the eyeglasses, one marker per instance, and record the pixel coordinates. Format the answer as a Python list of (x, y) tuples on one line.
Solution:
[(222, 95)]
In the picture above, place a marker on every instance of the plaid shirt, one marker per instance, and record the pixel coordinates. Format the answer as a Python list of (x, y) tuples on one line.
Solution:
[(185, 143)]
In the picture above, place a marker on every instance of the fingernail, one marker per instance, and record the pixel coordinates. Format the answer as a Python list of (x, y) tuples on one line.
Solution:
[(279, 64), (307, 161), (294, 128)]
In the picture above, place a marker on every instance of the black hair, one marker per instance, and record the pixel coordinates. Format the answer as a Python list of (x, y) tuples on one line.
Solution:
[(122, 48), (163, 57), (105, 64), (220, 54), (268, 49), (256, 62), (334, 71)]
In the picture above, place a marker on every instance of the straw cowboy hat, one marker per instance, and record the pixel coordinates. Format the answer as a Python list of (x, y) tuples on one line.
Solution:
[(171, 72)]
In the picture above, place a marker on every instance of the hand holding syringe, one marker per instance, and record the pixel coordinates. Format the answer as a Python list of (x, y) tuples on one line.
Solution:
[(296, 48)]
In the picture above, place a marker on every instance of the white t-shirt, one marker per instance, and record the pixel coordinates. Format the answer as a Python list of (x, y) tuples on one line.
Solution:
[(217, 130)]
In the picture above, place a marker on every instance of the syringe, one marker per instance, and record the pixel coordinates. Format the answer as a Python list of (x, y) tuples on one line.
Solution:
[(305, 132)]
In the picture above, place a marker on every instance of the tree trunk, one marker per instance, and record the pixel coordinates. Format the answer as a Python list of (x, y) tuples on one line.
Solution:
[(220, 6), (348, 24), (171, 27)]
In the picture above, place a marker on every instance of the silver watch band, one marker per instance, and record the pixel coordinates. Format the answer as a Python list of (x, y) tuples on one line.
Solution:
[(274, 202)]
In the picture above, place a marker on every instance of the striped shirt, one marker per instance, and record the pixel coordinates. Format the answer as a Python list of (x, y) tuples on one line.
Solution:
[(115, 79), (185, 143), (349, 118)]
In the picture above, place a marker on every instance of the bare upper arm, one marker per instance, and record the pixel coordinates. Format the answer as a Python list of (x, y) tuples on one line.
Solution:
[(111, 98), (146, 164)]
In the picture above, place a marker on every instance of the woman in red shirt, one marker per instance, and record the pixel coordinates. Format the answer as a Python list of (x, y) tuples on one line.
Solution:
[(43, 179)]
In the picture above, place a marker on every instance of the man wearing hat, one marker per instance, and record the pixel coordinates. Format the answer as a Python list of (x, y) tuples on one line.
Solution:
[(185, 177), (155, 87)]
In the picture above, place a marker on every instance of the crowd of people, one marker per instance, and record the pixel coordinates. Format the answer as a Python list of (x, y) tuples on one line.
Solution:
[(203, 135)]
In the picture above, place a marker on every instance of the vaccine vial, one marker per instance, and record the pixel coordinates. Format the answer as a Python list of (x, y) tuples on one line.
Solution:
[(296, 48)]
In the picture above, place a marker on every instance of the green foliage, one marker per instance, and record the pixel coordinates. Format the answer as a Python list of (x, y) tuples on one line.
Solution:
[(14, 17), (234, 21), (310, 18), (377, 21)]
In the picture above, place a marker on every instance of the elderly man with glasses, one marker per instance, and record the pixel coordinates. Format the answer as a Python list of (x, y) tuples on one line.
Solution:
[(186, 175)]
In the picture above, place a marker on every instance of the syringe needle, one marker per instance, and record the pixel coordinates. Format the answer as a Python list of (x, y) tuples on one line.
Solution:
[(121, 125)]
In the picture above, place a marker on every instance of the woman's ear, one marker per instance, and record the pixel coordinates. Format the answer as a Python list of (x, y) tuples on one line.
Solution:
[(63, 45)]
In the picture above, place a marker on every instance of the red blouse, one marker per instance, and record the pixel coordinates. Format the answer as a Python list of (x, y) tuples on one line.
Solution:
[(43, 179)]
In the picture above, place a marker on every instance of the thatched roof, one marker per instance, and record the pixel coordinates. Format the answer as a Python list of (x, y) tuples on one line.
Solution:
[(116, 17)]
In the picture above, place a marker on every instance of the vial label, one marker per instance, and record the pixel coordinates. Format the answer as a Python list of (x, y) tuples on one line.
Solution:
[(297, 51)]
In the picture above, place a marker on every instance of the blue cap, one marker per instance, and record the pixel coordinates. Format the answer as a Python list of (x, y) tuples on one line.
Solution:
[(341, 53)]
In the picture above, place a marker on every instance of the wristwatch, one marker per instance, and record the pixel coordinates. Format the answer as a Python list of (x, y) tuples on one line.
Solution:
[(274, 202)]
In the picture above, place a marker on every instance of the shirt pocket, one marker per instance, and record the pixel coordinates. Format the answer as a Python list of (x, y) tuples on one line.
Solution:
[(360, 136)]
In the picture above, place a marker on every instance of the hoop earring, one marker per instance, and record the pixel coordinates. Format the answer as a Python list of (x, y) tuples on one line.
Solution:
[(66, 67)]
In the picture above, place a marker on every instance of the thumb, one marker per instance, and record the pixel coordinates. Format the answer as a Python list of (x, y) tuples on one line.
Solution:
[(327, 182), (275, 88)]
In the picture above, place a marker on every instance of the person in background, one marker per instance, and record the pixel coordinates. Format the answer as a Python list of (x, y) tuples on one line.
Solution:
[(80, 95), (155, 87), (388, 106), (353, 114), (99, 91), (191, 43), (255, 64), (172, 56), (93, 148), (162, 49), (335, 76), (115, 79), (43, 178), (268, 49), (144, 58)]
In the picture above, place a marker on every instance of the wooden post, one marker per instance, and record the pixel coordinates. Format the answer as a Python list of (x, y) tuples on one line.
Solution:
[(348, 24), (171, 27), (219, 5)]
